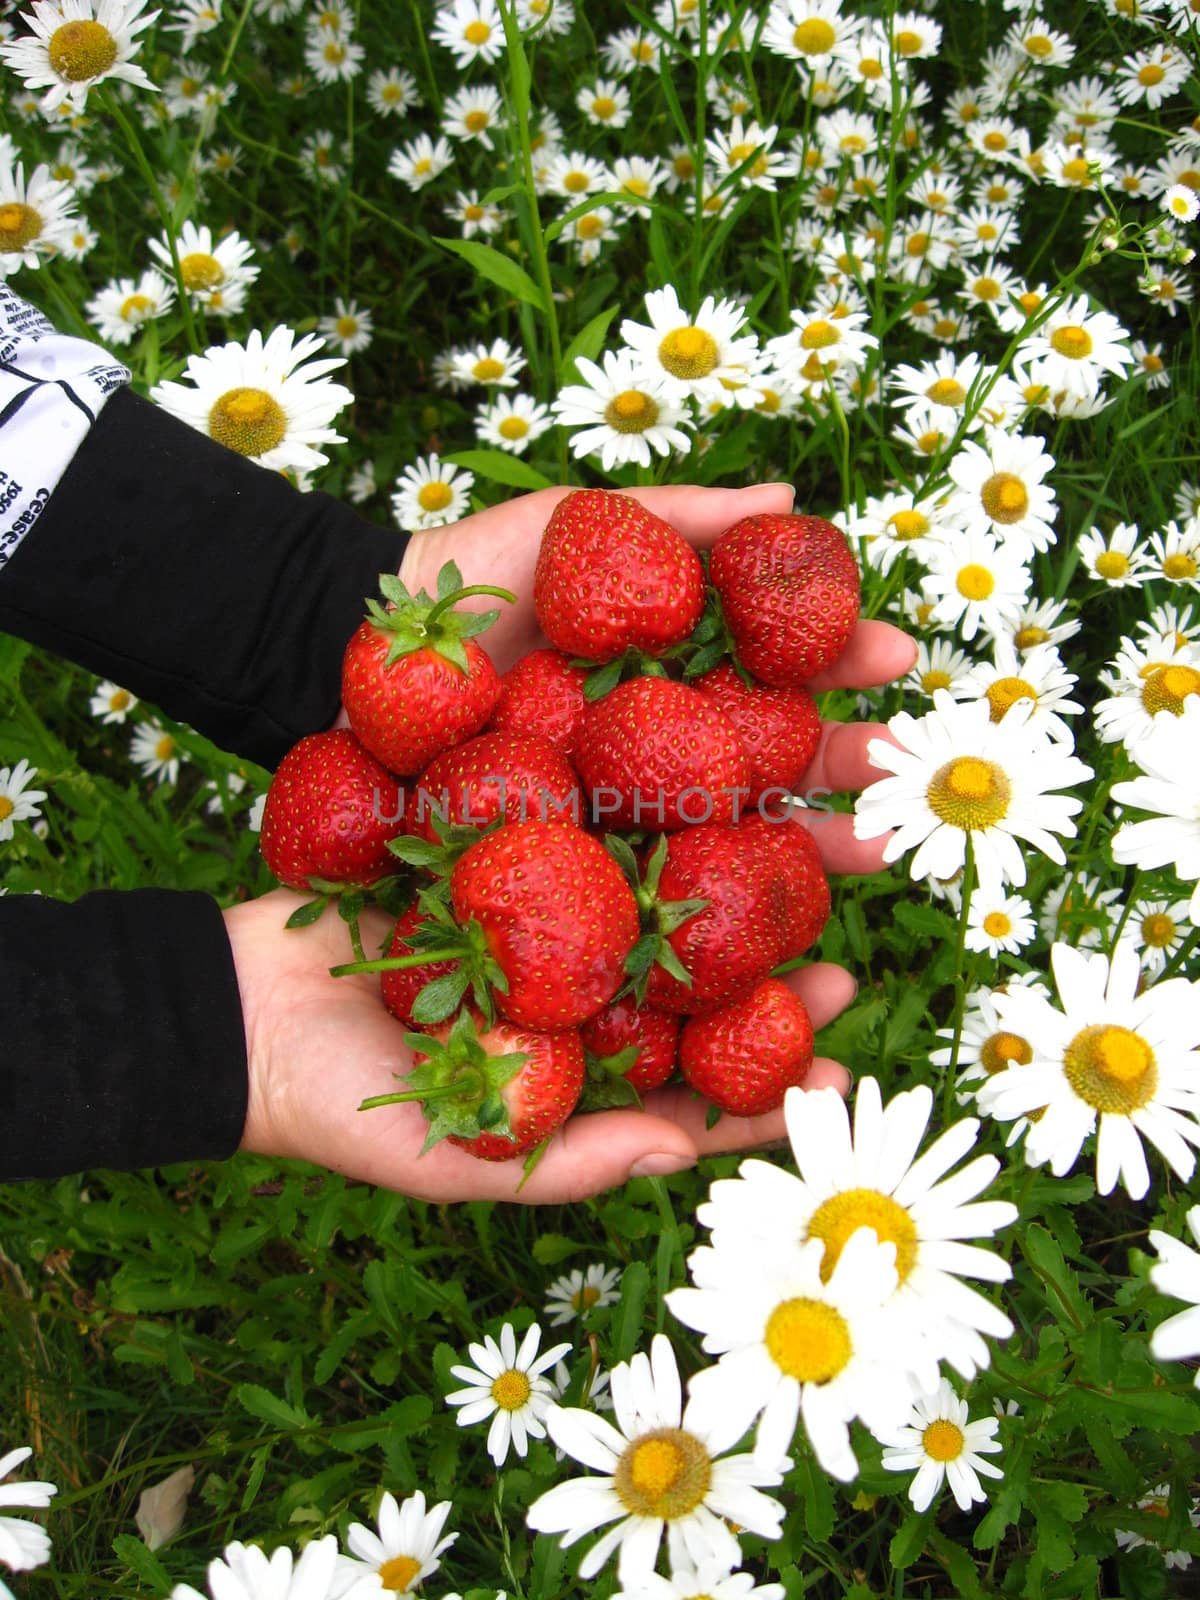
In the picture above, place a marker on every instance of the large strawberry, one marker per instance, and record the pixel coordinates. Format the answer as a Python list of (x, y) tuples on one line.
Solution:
[(630, 1050), (780, 728), (329, 814), (542, 693), (746, 1055), (740, 932), (659, 755), (414, 681), (496, 1091), (795, 854), (555, 914), (612, 577), (495, 776), (789, 589)]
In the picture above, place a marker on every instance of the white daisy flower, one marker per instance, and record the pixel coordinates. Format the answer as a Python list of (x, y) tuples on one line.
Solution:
[(1181, 203), (821, 343), (1176, 552), (944, 1446), (324, 156), (795, 1339), (937, 390), (691, 356), (475, 215), (1176, 1274), (111, 703), (348, 328), (629, 50), (661, 1468), (605, 103), (1040, 44), (23, 1544), (1079, 910), (75, 44), (622, 411), (430, 493), (266, 399), (470, 29), (420, 161), (1112, 1060), (333, 58), (546, 17), (192, 18), (36, 217), (512, 422), (247, 1573), (712, 1579), (123, 307), (809, 31), (895, 525), (730, 149), (1151, 76), (1117, 558), (18, 803), (1000, 489), (1075, 346), (974, 582), (939, 665), (985, 1048), (362, 483), (156, 752), (494, 365), (960, 776), (1169, 790), (580, 1291), (508, 1385), (1038, 675), (393, 92), (1158, 1505), (1178, 623), (216, 275), (400, 1556), (999, 922), (1039, 624), (1146, 681), (1155, 929)]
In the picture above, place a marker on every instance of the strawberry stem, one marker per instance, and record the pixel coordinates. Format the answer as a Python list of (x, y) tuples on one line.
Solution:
[(394, 963), (462, 1084), (449, 601)]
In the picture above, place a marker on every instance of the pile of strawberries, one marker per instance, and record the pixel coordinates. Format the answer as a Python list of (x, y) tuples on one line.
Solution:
[(602, 869)]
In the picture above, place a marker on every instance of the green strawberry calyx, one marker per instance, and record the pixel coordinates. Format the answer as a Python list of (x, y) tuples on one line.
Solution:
[(659, 918), (457, 1084), (420, 622)]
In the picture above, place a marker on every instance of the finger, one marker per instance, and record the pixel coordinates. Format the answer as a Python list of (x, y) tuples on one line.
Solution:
[(825, 989), (841, 853), (842, 763), (689, 1111), (701, 514), (877, 654)]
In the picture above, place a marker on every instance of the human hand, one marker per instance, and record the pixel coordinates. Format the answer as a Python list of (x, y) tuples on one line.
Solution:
[(318, 1046)]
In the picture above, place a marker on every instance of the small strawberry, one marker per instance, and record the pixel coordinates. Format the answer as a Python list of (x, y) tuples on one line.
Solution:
[(789, 589), (658, 754), (554, 913), (494, 777), (414, 681), (795, 854), (612, 577), (780, 728), (401, 986), (629, 1047), (496, 1091), (329, 814), (542, 693), (745, 1056)]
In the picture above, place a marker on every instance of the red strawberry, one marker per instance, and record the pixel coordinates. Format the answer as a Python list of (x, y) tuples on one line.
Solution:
[(780, 728), (658, 754), (789, 588), (745, 1056), (329, 814), (797, 856), (542, 693), (414, 681), (624, 1025), (495, 775), (556, 915), (738, 936), (401, 986), (611, 577), (494, 1091)]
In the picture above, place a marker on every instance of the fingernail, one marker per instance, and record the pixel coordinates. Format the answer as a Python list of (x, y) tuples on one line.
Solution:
[(660, 1165)]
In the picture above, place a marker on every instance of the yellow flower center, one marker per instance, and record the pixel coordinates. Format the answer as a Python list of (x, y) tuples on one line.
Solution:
[(683, 166), (575, 182), (1111, 1068), (334, 52), (81, 50), (511, 1390), (1150, 74), (917, 244), (907, 42), (664, 1474), (931, 441), (475, 121), (837, 1218), (1005, 692), (908, 524), (398, 1573), (249, 421), (119, 699), (969, 793), (995, 141), (1190, 178), (943, 1440), (422, 166), (770, 402), (974, 582), (585, 1298), (631, 411), (604, 106), (814, 37), (165, 748), (935, 678), (487, 370), (985, 289), (346, 327), (200, 271), (1029, 637), (19, 225), (635, 185), (808, 1340), (1112, 564), (998, 1053), (1166, 688), (1075, 170), (513, 428), (1005, 497), (689, 352), (1158, 930), (819, 335), (472, 213), (6, 808), (997, 925), (590, 227), (434, 496), (477, 32), (946, 392), (1073, 342), (135, 307), (1038, 45), (945, 328), (1179, 566)]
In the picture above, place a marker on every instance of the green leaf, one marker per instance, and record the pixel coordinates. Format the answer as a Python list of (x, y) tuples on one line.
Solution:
[(304, 916), (551, 1248), (816, 1492), (142, 1562), (500, 467), (440, 996), (588, 342), (497, 268), (269, 1408), (627, 1323), (909, 1539), (1068, 1304)]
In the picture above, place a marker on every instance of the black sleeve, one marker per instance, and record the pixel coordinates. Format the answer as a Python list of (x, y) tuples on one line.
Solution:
[(197, 579), (122, 1029)]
